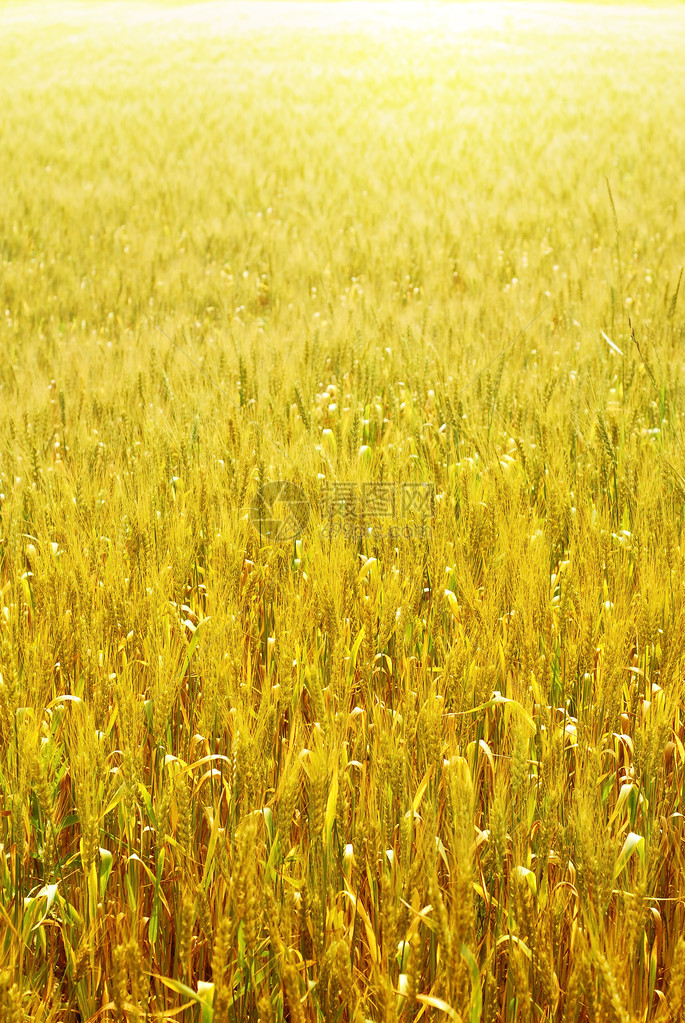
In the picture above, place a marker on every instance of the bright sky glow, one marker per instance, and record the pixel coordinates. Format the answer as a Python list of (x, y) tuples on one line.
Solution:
[(438, 19)]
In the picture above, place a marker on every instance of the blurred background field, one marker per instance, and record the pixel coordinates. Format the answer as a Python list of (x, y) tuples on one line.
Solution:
[(364, 777)]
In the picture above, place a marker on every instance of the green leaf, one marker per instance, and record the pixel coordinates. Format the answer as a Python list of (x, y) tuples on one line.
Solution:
[(355, 650), (32, 907), (106, 863), (182, 989), (454, 604), (153, 925), (498, 699), (652, 971), (65, 698), (438, 1003), (268, 822), (135, 858), (331, 807), (369, 564), (634, 800), (477, 994), (631, 843), (130, 894), (205, 991), (626, 789), (191, 647), (527, 875), (115, 800)]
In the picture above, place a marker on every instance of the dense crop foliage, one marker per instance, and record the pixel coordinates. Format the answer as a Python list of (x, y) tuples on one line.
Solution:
[(379, 775)]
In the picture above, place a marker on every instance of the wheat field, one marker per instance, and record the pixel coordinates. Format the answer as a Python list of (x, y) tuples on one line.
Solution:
[(349, 765)]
